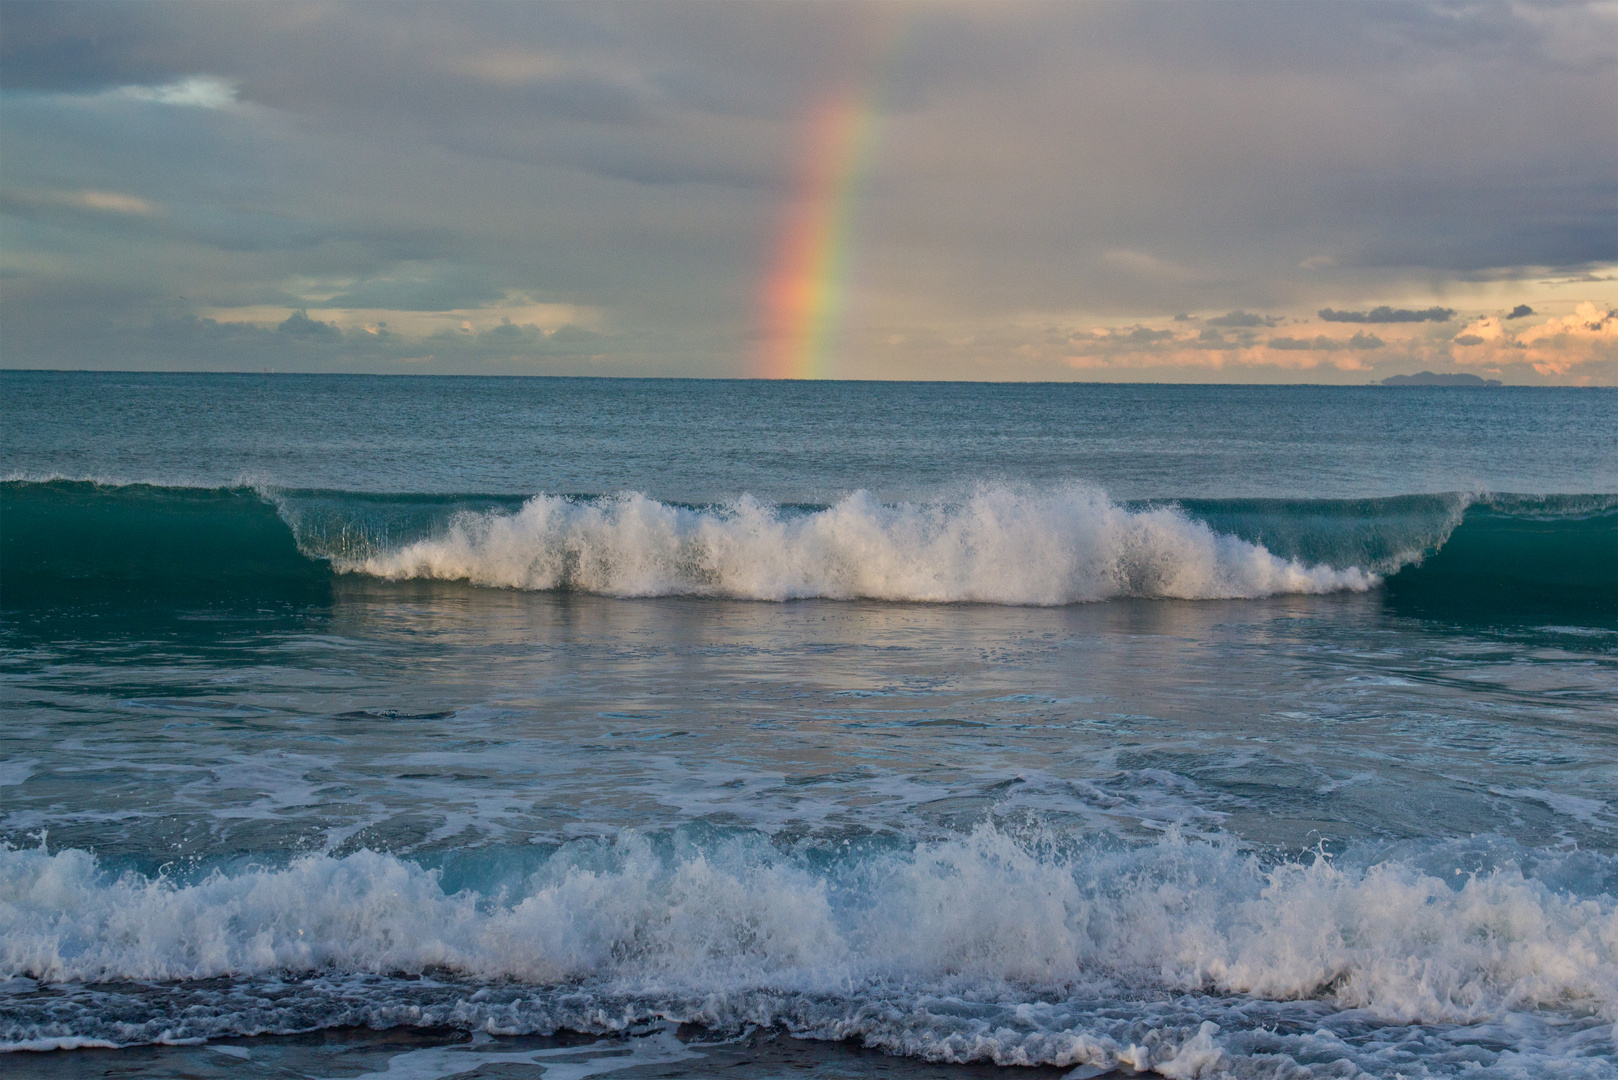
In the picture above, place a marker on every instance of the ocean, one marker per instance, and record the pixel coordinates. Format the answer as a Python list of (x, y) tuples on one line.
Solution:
[(425, 727)]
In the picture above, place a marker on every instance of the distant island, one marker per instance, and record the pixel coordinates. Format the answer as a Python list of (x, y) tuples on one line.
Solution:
[(1428, 378)]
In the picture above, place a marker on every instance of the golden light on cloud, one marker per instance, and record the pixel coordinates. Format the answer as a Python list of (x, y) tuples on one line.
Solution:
[(1559, 345), (101, 202), (113, 203), (519, 311), (1485, 329), (1557, 340)]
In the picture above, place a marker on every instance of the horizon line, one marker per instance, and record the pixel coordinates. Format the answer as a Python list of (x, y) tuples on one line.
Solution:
[(1488, 385)]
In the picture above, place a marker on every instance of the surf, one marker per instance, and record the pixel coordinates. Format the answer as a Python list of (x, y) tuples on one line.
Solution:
[(70, 541), (727, 930), (732, 912)]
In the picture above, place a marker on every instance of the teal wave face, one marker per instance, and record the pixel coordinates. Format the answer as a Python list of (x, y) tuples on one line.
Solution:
[(1519, 559), (74, 543), (1452, 556)]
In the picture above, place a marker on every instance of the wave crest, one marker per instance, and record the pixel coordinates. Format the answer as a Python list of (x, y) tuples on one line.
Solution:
[(997, 546), (682, 922)]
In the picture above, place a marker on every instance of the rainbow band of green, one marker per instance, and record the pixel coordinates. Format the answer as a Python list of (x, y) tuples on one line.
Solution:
[(806, 288)]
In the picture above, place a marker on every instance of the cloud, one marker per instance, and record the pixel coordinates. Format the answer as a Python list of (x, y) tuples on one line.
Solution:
[(1139, 262), (511, 67), (302, 343), (1488, 328), (1520, 311), (1238, 354), (1587, 320), (110, 202), (1557, 346), (1029, 165), (1242, 318), (102, 202), (300, 324), (415, 322), (1386, 314), (198, 91), (1323, 343), (419, 288)]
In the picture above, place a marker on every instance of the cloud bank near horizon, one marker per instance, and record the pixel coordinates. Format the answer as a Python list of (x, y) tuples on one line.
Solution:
[(1028, 191)]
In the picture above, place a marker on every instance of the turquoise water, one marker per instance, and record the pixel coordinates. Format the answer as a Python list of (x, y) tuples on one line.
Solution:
[(566, 727)]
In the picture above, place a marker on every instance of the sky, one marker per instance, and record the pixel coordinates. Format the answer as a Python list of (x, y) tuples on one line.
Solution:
[(1162, 192)]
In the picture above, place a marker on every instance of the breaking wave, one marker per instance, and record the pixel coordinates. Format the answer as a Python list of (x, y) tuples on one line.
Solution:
[(1024, 935), (996, 546), (1539, 557)]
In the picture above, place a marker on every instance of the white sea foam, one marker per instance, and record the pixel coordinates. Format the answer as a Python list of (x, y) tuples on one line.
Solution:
[(998, 545), (735, 916)]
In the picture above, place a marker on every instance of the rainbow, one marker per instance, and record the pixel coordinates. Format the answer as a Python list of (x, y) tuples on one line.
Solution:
[(803, 294)]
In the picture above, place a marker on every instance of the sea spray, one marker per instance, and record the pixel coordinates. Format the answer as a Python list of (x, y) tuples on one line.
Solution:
[(1545, 558), (999, 545), (986, 912)]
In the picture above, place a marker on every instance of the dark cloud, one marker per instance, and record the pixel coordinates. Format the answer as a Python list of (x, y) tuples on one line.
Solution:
[(301, 325), (639, 160), (1243, 319), (1389, 315), (1144, 336), (1469, 339), (1520, 311), (49, 46)]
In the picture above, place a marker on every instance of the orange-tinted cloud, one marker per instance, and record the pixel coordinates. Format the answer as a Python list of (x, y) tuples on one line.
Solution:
[(1555, 347)]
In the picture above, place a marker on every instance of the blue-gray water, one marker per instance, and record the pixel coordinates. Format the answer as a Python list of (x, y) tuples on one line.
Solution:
[(567, 727)]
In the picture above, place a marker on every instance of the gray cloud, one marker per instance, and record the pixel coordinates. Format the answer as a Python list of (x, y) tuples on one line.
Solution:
[(300, 324), (1520, 311), (1243, 319), (421, 288), (301, 343), (640, 159), (45, 46), (1389, 315), (1322, 343)]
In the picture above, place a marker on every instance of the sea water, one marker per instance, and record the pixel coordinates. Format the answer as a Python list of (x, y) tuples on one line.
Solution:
[(419, 726)]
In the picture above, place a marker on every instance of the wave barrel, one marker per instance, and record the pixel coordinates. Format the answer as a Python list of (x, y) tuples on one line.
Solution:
[(1503, 563), (74, 542)]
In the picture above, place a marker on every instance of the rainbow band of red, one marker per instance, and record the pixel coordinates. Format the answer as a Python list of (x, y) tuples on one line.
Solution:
[(806, 285)]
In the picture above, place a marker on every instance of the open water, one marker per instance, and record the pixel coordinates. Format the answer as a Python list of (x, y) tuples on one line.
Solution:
[(427, 727)]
